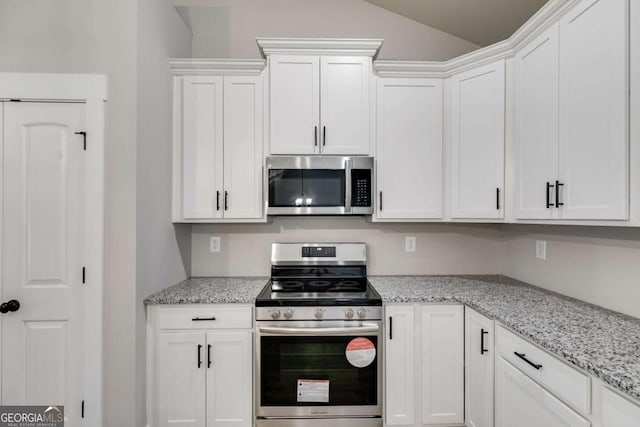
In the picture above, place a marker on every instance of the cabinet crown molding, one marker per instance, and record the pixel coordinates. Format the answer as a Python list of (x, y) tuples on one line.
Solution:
[(202, 66), (319, 46)]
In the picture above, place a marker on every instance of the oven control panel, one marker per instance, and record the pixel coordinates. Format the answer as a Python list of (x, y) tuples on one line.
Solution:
[(319, 313), (319, 252)]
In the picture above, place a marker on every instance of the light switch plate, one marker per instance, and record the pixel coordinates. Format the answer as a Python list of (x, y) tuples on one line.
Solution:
[(410, 244), (214, 244), (541, 249)]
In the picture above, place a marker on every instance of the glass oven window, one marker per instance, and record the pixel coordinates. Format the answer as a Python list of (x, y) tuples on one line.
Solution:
[(306, 187), (285, 360)]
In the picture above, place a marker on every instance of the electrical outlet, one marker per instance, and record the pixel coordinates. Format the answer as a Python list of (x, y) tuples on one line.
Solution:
[(541, 249), (410, 244), (214, 244)]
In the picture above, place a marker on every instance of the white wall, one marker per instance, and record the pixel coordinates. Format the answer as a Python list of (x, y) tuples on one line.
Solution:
[(93, 36), (229, 28), (161, 35), (441, 248), (600, 265)]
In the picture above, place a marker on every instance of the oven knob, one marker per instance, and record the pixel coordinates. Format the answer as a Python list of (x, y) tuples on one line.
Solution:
[(362, 313), (318, 314), (349, 313), (288, 314), (275, 314)]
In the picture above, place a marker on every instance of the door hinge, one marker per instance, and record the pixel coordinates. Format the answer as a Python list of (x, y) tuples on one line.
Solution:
[(84, 275), (82, 409), (84, 137)]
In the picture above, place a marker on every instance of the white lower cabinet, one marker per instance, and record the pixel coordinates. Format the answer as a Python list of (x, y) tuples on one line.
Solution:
[(201, 376), (618, 411), (424, 374), (522, 402), (479, 358)]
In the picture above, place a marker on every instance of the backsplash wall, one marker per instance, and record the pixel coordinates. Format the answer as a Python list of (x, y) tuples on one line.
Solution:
[(440, 248)]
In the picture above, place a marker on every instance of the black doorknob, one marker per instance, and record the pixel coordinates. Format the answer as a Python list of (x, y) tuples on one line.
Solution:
[(13, 305)]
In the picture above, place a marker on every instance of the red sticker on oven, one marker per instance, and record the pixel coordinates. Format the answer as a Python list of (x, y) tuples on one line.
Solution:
[(360, 352)]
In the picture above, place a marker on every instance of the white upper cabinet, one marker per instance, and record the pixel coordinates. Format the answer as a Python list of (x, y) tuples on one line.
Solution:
[(571, 110), (536, 126), (202, 146), (218, 146), (320, 104), (409, 148), (593, 166), (243, 156), (295, 104), (344, 104), (477, 142)]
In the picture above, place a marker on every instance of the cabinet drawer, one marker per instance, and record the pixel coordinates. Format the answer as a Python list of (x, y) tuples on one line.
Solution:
[(205, 317), (571, 385)]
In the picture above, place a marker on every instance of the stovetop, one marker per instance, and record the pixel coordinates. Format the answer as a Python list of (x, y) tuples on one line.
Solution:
[(309, 292)]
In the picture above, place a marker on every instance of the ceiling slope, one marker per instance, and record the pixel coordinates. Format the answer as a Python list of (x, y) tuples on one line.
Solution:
[(482, 22)]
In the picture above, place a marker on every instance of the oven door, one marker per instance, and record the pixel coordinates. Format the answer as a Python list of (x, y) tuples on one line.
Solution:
[(319, 369)]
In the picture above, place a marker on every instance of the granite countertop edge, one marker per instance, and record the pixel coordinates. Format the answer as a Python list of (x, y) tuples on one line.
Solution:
[(495, 296)]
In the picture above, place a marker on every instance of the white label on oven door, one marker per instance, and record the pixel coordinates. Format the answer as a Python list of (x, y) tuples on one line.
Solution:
[(360, 352), (313, 391)]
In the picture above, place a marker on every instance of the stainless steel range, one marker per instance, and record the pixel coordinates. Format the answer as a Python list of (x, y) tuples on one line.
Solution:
[(319, 339)]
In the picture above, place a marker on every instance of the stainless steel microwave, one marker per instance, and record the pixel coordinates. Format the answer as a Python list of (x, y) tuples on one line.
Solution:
[(319, 185)]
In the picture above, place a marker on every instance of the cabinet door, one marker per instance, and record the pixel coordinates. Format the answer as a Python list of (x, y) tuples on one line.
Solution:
[(344, 104), (409, 148), (180, 375), (618, 411), (295, 104), (536, 126), (479, 358), (442, 337), (594, 110), (202, 146), (400, 387), (523, 403), (243, 127), (229, 379), (477, 142)]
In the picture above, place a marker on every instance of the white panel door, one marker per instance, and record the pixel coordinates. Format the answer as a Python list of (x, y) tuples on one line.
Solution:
[(479, 359), (43, 227), (477, 142), (344, 105), (536, 126), (409, 148), (400, 372), (243, 127), (442, 361), (523, 403), (202, 121), (593, 111), (229, 379), (295, 104), (180, 379)]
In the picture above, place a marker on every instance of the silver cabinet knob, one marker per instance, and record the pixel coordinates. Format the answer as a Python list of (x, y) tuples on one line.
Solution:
[(349, 313), (362, 313), (288, 314), (318, 314), (275, 314)]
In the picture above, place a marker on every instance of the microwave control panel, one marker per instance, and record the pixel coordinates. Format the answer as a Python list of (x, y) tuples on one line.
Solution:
[(361, 187)]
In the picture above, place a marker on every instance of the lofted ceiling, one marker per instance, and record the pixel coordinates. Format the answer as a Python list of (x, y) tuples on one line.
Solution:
[(482, 22)]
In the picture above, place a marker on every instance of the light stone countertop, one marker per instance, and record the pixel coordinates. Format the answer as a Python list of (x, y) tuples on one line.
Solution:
[(602, 342)]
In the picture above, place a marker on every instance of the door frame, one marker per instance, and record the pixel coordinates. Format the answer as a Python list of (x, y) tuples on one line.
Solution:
[(90, 89)]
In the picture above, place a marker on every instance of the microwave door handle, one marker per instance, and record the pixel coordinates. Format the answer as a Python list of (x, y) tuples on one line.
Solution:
[(366, 328), (347, 183)]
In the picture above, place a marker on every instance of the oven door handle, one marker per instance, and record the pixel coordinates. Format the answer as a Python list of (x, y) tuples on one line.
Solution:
[(367, 328)]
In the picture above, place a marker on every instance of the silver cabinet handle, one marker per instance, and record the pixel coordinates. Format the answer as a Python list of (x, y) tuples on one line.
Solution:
[(318, 331)]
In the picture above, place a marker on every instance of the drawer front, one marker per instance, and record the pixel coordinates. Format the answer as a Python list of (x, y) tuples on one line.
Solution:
[(573, 386), (205, 317), (618, 411)]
